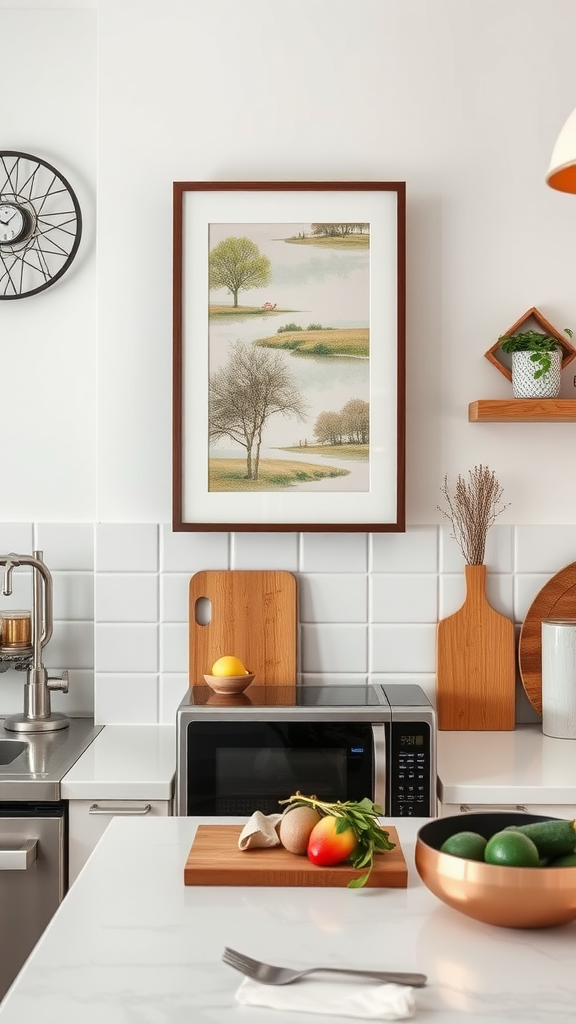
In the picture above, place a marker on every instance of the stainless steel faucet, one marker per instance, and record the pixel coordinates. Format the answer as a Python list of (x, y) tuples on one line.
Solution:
[(37, 716)]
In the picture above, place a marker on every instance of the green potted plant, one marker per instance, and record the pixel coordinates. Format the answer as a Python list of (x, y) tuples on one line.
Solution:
[(536, 363)]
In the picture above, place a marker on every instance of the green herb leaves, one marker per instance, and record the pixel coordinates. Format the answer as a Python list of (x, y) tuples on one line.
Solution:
[(362, 818)]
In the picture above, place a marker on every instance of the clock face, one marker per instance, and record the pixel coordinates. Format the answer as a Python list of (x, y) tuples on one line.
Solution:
[(40, 225), (12, 223)]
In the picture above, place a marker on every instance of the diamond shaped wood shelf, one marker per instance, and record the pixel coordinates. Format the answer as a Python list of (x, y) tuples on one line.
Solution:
[(532, 320)]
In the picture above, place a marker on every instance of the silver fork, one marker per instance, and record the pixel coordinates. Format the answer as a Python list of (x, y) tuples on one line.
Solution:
[(267, 974)]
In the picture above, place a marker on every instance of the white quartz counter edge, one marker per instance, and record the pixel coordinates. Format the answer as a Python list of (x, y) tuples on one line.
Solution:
[(131, 942), (125, 762), (518, 767)]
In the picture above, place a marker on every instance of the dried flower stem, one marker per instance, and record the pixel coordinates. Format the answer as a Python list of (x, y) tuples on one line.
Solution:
[(472, 509)]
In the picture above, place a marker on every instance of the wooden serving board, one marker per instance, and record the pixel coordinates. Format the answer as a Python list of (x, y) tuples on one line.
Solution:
[(556, 600), (253, 616), (215, 859), (476, 663)]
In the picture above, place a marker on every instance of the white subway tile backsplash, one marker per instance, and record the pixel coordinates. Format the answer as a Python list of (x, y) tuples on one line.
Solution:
[(79, 701), (175, 648), (499, 554), (71, 646), (544, 549), (126, 648), (17, 538), (265, 551), (404, 598), (127, 699), (334, 552), (368, 605), (172, 689), (174, 597), (499, 593), (66, 545), (413, 551), (333, 597), (340, 648), (191, 552), (21, 596), (333, 679), (73, 595), (526, 587), (126, 598), (403, 648), (126, 547)]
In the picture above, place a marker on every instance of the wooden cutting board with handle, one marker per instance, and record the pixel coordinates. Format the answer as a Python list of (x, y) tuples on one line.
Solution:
[(215, 859), (476, 663), (252, 615)]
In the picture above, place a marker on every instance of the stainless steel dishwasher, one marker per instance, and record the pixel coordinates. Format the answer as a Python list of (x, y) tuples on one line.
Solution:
[(33, 835)]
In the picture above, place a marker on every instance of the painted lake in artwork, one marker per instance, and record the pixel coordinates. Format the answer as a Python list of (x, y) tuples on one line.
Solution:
[(315, 289)]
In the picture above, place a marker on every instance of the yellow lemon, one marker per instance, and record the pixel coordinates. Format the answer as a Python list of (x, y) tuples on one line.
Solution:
[(229, 666)]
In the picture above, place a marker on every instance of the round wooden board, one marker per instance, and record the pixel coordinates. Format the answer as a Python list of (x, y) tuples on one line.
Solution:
[(556, 600)]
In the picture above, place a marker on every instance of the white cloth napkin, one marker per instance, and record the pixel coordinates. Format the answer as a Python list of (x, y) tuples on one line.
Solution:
[(337, 998), (260, 830)]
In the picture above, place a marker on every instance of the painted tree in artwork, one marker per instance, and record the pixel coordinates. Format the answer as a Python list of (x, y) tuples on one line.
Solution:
[(237, 264), (252, 386)]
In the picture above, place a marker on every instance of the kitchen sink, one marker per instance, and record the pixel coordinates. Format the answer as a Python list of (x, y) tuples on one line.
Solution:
[(10, 749)]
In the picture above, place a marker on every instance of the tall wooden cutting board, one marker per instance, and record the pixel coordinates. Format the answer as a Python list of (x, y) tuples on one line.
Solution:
[(253, 616), (475, 663)]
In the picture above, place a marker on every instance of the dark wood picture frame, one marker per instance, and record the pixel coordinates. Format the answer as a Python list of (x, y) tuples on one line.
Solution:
[(376, 210)]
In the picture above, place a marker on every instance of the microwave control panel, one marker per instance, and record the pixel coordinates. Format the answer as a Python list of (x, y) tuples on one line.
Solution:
[(409, 769)]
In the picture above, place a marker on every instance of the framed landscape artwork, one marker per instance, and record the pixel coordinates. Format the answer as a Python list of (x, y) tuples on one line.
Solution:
[(289, 356)]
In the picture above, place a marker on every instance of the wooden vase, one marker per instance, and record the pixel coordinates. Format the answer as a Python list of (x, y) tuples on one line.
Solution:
[(475, 663)]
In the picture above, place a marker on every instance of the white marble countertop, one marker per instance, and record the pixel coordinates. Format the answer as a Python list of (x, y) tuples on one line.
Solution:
[(131, 943), (125, 762), (520, 767)]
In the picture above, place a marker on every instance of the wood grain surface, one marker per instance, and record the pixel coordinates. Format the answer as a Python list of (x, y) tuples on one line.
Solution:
[(253, 616), (215, 859), (475, 663), (556, 600), (522, 410)]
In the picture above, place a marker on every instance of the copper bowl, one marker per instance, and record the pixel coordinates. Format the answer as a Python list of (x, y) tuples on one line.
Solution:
[(509, 897), (229, 684)]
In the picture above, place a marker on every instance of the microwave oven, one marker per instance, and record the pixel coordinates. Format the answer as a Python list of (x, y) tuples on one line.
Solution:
[(246, 753)]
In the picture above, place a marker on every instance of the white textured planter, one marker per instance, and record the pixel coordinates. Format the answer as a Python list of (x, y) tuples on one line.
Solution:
[(559, 678), (523, 370)]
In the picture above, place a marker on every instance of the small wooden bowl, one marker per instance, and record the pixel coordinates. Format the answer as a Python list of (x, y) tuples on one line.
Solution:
[(229, 684)]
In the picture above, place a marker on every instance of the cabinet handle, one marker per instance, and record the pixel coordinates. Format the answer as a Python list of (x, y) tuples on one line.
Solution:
[(465, 808), (112, 811), (20, 859)]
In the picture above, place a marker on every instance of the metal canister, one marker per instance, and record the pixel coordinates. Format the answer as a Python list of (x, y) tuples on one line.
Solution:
[(15, 629)]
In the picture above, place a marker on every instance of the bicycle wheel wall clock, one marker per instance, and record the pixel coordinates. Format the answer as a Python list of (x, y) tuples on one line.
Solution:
[(40, 225)]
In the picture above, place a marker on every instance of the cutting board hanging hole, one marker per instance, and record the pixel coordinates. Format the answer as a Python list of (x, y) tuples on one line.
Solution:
[(203, 611)]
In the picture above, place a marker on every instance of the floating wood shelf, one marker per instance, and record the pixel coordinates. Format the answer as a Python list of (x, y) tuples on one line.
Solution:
[(522, 410)]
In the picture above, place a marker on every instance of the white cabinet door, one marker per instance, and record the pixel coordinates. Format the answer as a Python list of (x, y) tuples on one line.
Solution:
[(89, 819)]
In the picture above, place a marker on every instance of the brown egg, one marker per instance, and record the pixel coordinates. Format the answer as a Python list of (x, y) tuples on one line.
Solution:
[(295, 828)]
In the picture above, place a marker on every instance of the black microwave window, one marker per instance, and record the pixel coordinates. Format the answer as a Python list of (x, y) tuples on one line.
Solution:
[(236, 768)]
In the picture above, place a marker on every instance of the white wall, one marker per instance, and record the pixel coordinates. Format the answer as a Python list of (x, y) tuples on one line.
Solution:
[(49, 341), (462, 99)]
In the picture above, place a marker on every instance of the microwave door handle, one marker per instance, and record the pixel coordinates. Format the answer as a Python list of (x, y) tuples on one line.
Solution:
[(20, 859), (380, 773)]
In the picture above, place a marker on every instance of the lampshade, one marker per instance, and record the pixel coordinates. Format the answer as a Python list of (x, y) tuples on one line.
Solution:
[(562, 171)]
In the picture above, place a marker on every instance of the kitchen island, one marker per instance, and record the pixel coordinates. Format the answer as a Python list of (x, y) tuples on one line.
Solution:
[(131, 943)]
